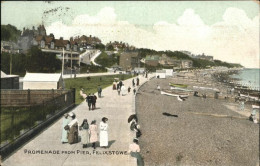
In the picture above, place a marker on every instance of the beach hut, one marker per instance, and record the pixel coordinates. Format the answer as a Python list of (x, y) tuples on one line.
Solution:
[(168, 72), (43, 81), (160, 74)]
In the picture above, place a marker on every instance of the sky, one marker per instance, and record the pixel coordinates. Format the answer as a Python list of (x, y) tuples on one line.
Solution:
[(228, 30)]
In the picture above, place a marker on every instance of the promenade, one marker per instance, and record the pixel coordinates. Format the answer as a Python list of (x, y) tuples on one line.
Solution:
[(116, 108)]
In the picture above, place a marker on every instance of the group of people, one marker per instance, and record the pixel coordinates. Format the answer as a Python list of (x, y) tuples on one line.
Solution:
[(134, 148), (89, 133), (122, 90), (91, 99)]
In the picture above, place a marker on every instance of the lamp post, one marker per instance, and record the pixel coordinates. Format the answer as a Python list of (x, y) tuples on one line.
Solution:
[(11, 59)]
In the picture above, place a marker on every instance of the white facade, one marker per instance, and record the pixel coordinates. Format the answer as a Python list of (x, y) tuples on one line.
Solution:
[(160, 74), (168, 72), (42, 81)]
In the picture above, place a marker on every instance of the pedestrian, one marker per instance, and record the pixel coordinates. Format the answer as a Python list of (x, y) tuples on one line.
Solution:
[(114, 85), (242, 105), (146, 75), (94, 99), (73, 133), (133, 82), (103, 133), (123, 90), (134, 150), (137, 81), (93, 133), (120, 84), (89, 100), (81, 92), (99, 91), (158, 87), (117, 86), (129, 89), (118, 91), (65, 122), (84, 133), (134, 90)]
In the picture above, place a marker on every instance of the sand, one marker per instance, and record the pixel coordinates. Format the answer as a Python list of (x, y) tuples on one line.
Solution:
[(192, 139)]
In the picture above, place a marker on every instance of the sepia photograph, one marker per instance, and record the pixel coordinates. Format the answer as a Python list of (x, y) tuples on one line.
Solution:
[(130, 83)]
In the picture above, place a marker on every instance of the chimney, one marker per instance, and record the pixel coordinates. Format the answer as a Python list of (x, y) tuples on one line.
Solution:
[(33, 28), (90, 36), (61, 38)]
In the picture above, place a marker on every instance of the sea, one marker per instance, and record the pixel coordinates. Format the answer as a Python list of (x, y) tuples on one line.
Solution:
[(249, 77)]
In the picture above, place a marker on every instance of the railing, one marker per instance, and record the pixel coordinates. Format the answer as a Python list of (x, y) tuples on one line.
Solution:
[(17, 120)]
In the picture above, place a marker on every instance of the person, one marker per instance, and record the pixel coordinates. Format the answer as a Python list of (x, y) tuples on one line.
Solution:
[(65, 122), (93, 134), (123, 89), (133, 82), (134, 150), (73, 129), (114, 85), (242, 105), (103, 126), (99, 91), (120, 84), (134, 90), (129, 89), (89, 100), (94, 99), (82, 93), (118, 91), (158, 87), (137, 130), (117, 86), (84, 133), (137, 81)]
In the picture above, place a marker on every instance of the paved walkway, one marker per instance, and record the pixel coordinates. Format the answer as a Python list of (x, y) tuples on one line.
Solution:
[(116, 108)]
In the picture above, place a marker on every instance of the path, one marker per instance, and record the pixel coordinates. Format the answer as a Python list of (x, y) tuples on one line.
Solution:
[(116, 108)]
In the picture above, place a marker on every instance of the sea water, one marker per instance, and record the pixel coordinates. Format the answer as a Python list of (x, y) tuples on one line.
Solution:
[(248, 77)]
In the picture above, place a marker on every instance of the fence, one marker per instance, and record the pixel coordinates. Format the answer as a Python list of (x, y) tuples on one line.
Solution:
[(28, 97), (17, 120)]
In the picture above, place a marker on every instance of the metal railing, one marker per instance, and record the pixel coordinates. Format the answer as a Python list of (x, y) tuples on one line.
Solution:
[(17, 120)]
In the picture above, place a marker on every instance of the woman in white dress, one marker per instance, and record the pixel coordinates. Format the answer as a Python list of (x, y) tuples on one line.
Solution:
[(103, 126), (123, 90)]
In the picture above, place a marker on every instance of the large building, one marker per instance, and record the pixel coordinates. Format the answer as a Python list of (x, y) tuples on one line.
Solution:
[(129, 60), (185, 64)]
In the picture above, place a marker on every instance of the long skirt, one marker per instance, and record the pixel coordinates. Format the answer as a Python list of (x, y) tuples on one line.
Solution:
[(139, 158), (84, 137), (103, 138)]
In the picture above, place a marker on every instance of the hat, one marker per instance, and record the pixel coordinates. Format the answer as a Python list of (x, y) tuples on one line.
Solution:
[(71, 114)]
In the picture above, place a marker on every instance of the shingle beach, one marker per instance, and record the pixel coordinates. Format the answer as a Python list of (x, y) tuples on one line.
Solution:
[(190, 138)]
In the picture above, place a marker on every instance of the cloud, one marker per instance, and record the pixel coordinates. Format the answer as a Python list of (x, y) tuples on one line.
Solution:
[(234, 39)]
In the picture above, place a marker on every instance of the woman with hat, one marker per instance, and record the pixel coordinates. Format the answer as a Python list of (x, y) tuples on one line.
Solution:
[(84, 133), (65, 122), (73, 129), (103, 126), (93, 133)]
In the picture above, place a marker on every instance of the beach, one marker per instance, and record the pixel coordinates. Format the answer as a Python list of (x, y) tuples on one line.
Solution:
[(203, 131)]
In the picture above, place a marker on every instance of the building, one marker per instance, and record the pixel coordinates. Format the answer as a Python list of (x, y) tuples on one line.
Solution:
[(152, 60), (43, 81), (160, 74), (9, 81), (168, 72), (139, 70), (186, 64), (169, 62), (129, 60)]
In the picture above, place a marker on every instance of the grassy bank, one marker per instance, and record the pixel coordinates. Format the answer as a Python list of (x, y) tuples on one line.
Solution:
[(90, 85)]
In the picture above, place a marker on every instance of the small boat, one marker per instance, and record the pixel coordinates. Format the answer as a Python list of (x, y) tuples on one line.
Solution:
[(175, 94), (178, 85), (181, 89)]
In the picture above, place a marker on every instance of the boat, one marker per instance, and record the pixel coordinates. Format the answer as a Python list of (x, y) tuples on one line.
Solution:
[(178, 85), (175, 94), (181, 89)]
